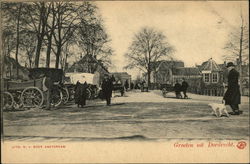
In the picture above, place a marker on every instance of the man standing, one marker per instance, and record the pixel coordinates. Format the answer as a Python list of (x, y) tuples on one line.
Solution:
[(177, 89), (81, 94), (184, 87), (232, 95), (47, 86), (107, 87), (126, 85)]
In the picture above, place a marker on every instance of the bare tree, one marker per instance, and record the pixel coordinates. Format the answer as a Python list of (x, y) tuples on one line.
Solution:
[(37, 20), (148, 46), (238, 46), (66, 21)]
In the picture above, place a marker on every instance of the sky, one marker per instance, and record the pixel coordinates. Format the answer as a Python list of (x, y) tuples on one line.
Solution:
[(197, 30)]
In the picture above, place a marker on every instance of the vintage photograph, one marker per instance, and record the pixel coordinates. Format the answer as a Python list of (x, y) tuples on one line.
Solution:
[(125, 71)]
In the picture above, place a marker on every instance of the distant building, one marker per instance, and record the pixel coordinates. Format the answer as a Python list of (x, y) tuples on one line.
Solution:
[(167, 72), (245, 80), (10, 69), (192, 75), (89, 64)]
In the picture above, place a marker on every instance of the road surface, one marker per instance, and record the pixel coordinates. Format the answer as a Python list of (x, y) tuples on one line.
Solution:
[(137, 115)]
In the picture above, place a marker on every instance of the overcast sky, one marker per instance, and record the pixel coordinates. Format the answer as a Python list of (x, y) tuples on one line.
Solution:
[(197, 30)]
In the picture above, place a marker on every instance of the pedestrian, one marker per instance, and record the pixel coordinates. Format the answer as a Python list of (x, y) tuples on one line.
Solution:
[(132, 85), (177, 89), (232, 94), (184, 87), (107, 87), (47, 86), (126, 85), (81, 94)]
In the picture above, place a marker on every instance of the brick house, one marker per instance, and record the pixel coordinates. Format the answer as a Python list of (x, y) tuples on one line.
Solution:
[(212, 78)]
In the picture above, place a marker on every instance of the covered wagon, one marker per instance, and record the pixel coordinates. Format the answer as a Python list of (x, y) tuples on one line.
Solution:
[(92, 80)]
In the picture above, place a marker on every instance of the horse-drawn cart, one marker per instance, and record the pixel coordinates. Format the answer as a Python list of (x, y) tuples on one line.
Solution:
[(30, 93), (25, 94), (92, 81)]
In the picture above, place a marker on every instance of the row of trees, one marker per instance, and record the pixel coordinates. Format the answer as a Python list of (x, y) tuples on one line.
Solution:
[(51, 31)]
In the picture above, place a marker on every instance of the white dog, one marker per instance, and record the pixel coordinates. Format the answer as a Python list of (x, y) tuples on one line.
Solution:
[(218, 109)]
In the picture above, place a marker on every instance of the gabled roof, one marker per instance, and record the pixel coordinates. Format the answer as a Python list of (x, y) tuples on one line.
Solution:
[(124, 74), (174, 63), (209, 65), (89, 59), (186, 71)]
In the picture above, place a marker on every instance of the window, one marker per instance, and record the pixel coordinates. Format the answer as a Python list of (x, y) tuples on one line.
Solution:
[(206, 77), (214, 77)]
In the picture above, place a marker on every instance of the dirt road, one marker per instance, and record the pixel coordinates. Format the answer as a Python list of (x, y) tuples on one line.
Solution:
[(138, 115)]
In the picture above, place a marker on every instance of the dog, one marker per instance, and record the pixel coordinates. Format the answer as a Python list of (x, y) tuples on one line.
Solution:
[(219, 109)]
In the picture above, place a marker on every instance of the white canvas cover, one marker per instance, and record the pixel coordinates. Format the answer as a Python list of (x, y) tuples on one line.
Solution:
[(82, 77)]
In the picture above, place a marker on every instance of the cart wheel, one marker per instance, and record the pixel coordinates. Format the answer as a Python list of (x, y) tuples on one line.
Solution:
[(56, 97), (8, 101), (88, 93), (71, 94), (65, 95), (32, 97)]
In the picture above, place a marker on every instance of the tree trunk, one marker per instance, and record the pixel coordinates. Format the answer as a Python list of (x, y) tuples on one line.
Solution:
[(149, 83), (17, 38), (58, 53), (48, 51), (41, 33), (38, 49)]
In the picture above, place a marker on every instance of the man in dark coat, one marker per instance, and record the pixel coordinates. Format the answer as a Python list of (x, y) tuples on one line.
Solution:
[(232, 95), (177, 89), (81, 94), (47, 86), (107, 87), (184, 87), (126, 85)]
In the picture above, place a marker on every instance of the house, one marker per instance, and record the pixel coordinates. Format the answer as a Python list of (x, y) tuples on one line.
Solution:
[(245, 80), (89, 64), (167, 72), (191, 74), (213, 77), (10, 67)]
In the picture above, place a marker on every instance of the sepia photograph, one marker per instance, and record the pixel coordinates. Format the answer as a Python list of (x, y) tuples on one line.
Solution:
[(124, 81)]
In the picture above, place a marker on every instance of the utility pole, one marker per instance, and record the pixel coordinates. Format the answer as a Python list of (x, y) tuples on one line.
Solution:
[(240, 52)]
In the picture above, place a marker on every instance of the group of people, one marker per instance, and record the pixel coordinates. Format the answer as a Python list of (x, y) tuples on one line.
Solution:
[(178, 88), (81, 91)]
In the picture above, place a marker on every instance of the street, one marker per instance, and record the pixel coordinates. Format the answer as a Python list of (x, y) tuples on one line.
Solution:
[(137, 115)]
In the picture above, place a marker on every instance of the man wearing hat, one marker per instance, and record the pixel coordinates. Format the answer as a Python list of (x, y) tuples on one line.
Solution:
[(107, 87), (232, 95)]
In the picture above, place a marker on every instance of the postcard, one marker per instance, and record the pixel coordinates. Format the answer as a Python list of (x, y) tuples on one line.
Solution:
[(125, 81)]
